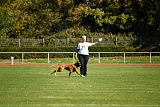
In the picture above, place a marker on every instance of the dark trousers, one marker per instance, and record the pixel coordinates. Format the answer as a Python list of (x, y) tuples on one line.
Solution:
[(83, 60)]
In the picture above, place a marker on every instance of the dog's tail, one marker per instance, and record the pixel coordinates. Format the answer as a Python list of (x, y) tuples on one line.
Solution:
[(55, 66)]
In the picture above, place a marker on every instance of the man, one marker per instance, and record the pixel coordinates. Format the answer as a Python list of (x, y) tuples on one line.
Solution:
[(83, 51)]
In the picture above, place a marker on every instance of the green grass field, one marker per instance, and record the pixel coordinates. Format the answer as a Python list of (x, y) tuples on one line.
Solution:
[(105, 85)]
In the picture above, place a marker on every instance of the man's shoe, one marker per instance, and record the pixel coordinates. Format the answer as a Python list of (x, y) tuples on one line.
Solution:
[(82, 76)]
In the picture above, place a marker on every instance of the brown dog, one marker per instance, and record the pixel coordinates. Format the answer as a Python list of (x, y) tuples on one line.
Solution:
[(71, 68)]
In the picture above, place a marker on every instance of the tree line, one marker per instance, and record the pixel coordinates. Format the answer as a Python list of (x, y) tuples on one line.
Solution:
[(65, 18)]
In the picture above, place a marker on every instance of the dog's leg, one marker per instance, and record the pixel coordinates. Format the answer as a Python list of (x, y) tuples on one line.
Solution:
[(69, 74), (54, 72), (77, 72)]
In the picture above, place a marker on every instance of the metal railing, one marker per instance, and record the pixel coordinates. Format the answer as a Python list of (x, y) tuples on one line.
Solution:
[(73, 55), (124, 54)]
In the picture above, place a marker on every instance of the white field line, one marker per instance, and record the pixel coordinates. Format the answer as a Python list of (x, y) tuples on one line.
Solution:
[(85, 88), (89, 92), (106, 105), (71, 105), (67, 91), (101, 90)]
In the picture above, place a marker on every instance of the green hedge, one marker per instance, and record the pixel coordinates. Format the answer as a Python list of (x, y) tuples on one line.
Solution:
[(59, 49)]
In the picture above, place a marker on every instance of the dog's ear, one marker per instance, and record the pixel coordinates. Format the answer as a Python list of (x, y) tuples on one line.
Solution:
[(55, 66), (60, 69)]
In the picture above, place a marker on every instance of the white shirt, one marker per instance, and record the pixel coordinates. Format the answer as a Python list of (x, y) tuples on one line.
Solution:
[(83, 48)]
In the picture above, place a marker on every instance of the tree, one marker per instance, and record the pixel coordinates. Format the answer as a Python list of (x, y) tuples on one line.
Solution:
[(147, 17), (39, 18), (5, 24), (104, 13), (33, 18)]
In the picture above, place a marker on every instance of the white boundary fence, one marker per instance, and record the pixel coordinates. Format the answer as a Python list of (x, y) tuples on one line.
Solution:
[(99, 54)]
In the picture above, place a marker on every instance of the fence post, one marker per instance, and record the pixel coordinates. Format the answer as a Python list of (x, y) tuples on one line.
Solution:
[(19, 42), (43, 42), (150, 58), (73, 57), (67, 41), (48, 57), (140, 41), (99, 55), (22, 57), (55, 42), (116, 40), (124, 57), (12, 60)]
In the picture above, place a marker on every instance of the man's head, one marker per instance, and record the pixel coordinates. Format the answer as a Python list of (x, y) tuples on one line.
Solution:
[(83, 38)]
